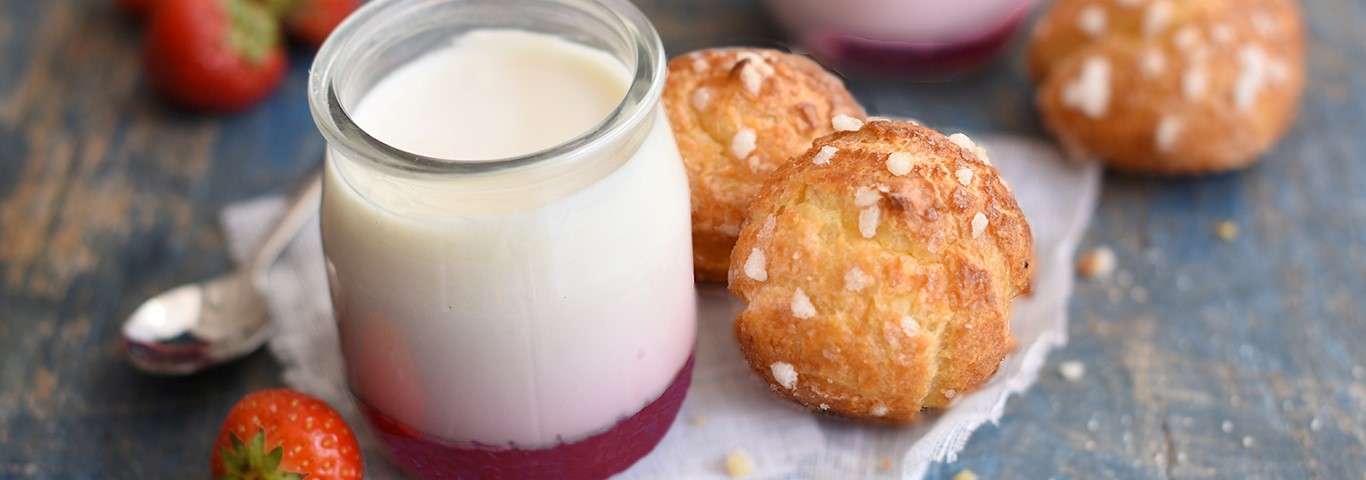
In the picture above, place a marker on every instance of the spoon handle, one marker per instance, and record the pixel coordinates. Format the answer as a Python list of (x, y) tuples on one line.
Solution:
[(302, 206)]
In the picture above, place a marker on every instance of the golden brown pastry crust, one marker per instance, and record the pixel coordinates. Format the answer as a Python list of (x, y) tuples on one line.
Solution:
[(888, 324), (1193, 86), (781, 100)]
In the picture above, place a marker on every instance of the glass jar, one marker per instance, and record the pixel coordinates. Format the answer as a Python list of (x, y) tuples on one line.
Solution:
[(522, 317)]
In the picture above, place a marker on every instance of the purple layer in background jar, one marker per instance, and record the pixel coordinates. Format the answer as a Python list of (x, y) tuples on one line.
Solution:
[(928, 39)]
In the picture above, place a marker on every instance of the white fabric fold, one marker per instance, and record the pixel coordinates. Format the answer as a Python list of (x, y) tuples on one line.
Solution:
[(727, 407)]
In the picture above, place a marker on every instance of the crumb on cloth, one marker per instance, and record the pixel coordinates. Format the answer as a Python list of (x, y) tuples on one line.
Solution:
[(738, 464)]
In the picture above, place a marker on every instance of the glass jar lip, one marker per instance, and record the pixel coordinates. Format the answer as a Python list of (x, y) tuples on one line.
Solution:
[(342, 133)]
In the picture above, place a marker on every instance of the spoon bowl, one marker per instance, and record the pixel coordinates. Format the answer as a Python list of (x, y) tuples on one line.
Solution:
[(195, 326)]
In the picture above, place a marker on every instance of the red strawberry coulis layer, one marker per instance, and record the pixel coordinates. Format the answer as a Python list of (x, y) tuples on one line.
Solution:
[(597, 456)]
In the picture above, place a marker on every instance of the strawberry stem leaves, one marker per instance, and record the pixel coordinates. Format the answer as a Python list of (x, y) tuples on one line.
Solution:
[(251, 462)]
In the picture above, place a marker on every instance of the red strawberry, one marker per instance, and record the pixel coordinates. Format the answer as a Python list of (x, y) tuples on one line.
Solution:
[(214, 55), (311, 21), (285, 434)]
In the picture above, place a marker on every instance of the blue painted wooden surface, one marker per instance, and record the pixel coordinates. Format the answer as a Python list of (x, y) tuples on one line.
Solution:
[(1205, 358)]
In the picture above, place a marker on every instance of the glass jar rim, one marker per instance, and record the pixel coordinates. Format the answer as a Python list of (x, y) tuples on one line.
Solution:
[(342, 132)]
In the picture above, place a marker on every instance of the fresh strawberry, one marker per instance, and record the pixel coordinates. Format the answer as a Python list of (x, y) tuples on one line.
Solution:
[(311, 21), (214, 55), (285, 434)]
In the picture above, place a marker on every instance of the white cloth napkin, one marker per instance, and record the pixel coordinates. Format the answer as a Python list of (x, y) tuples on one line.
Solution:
[(727, 407)]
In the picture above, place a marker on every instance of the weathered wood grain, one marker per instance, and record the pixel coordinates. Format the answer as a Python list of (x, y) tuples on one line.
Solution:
[(107, 196), (1205, 358)]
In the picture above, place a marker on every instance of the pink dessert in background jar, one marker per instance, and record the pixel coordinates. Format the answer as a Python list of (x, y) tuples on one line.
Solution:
[(922, 38)]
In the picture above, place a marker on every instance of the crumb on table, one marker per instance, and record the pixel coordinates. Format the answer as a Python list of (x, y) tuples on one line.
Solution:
[(1098, 263), (1072, 371), (1226, 230)]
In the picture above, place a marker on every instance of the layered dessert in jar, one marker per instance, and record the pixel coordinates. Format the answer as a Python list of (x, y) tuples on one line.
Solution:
[(506, 226)]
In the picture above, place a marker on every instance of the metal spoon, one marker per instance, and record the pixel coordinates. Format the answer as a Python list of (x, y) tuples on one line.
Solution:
[(199, 325)]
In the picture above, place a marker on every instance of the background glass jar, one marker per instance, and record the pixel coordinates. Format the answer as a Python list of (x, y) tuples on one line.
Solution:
[(518, 317), (923, 39)]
